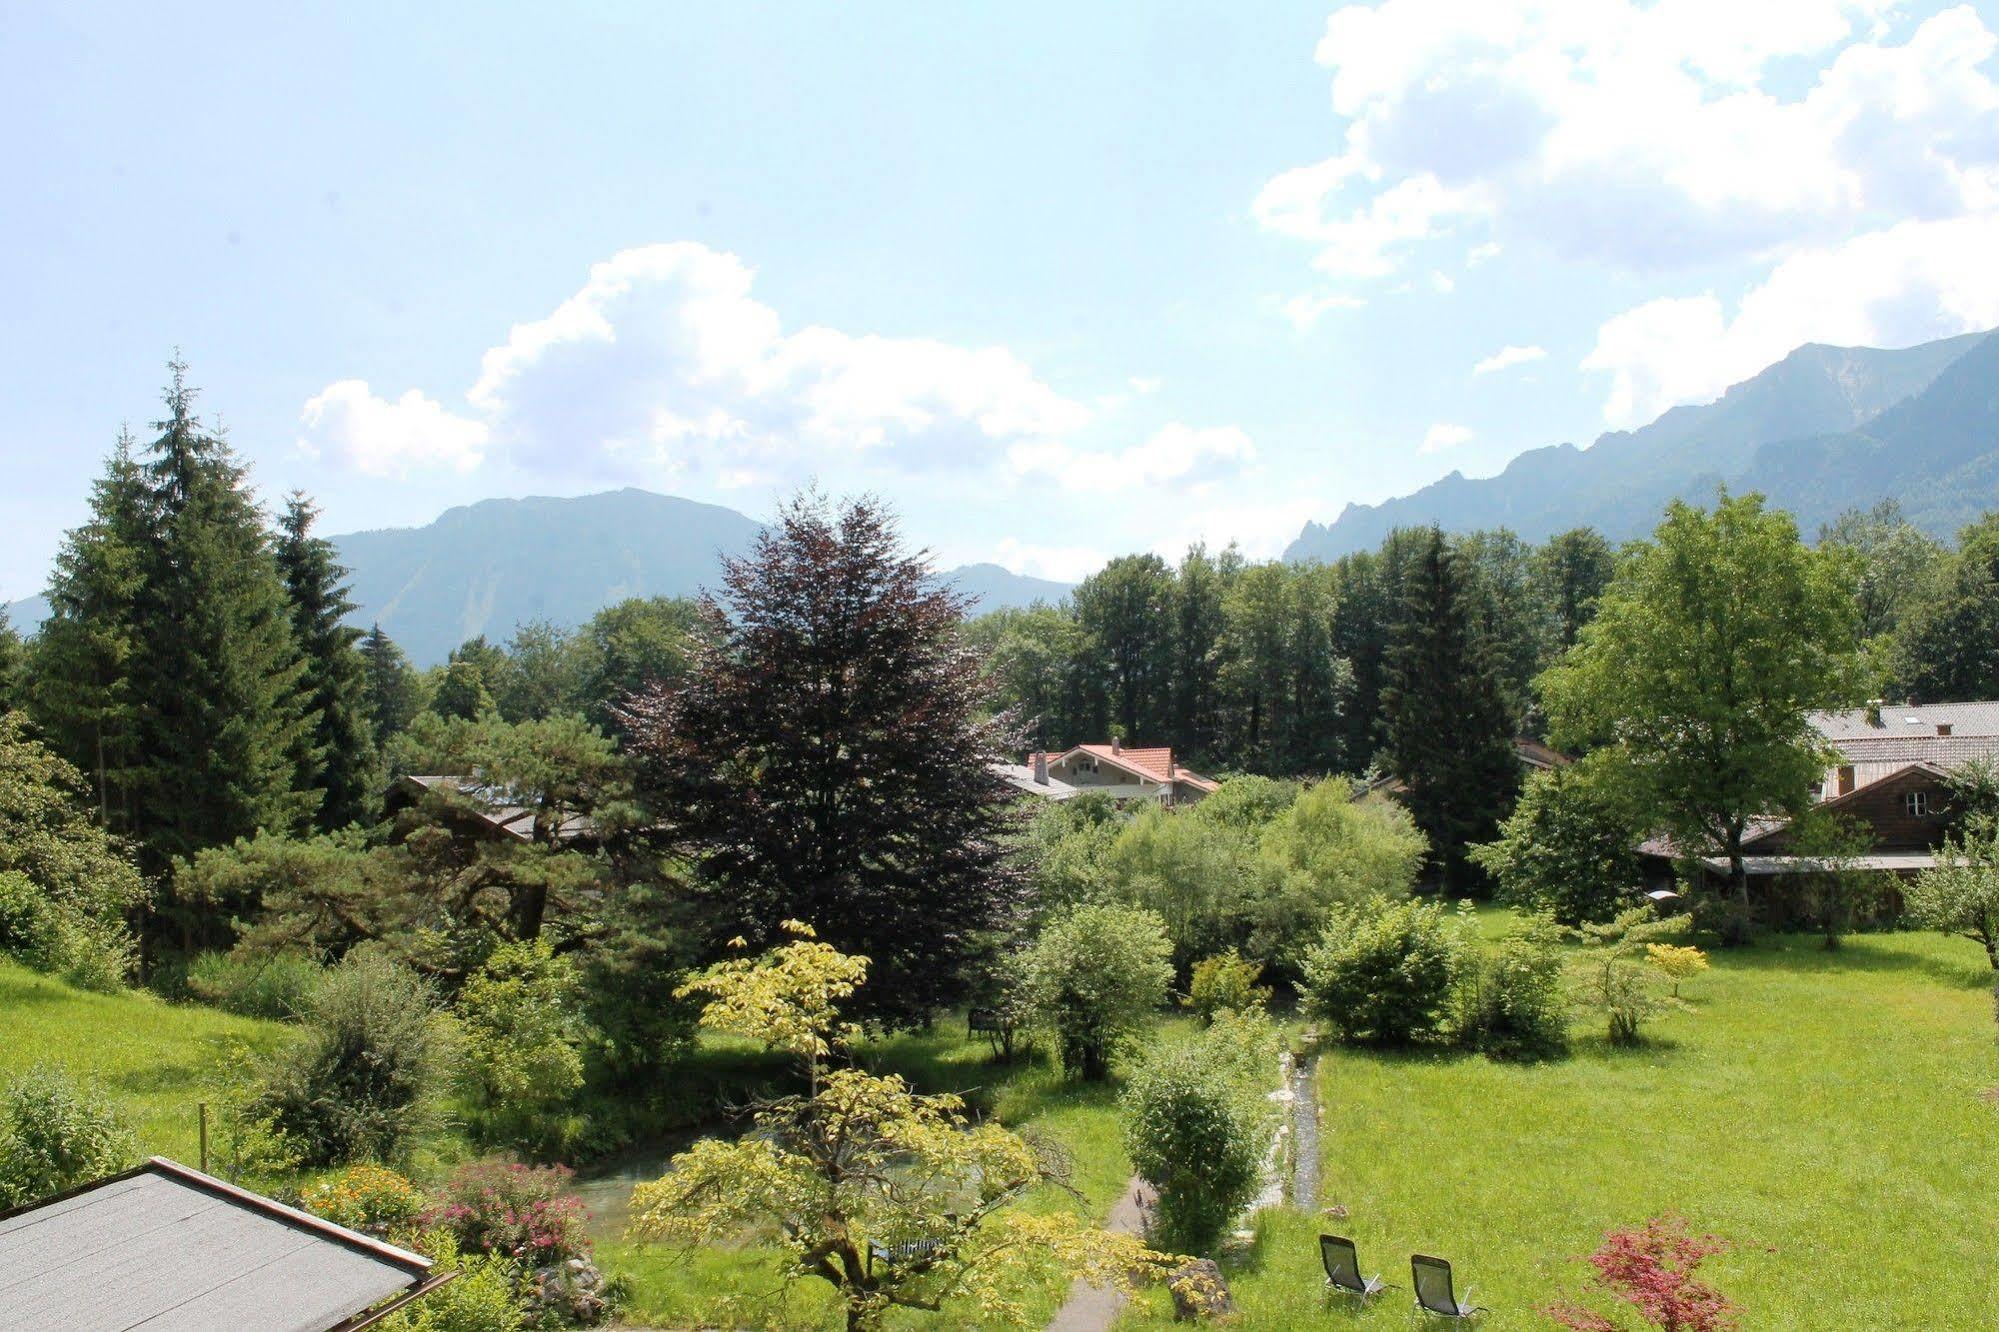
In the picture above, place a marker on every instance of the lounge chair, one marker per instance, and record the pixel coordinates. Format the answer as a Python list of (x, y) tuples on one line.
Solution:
[(1342, 1262), (1432, 1278)]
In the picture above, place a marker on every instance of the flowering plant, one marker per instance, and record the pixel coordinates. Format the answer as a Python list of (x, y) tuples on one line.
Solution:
[(521, 1211), (364, 1197)]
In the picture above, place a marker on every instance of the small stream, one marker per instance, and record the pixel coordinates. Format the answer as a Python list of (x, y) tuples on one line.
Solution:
[(1305, 1134), (606, 1186)]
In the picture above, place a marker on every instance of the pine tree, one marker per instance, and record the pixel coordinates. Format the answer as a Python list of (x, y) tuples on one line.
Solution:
[(1450, 736), (390, 684), (13, 666), (217, 673), (336, 752), (81, 692)]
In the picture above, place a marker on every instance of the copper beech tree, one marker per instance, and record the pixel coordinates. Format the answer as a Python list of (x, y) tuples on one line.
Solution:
[(824, 758), (894, 1198)]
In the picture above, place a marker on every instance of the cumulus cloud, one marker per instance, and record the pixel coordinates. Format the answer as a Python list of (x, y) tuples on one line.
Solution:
[(1895, 287), (1444, 436), (1176, 456), (1508, 357), (665, 363), (1648, 135), (348, 425)]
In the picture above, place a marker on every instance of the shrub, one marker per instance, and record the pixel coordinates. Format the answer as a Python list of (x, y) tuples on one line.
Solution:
[(279, 987), (1512, 999), (1567, 848), (1326, 850), (42, 933), (1653, 1272), (55, 1135), (365, 1197), (1678, 962), (523, 1043), (1384, 972), (1197, 1124), (480, 1299), (1226, 981), (1610, 979), (363, 1079), (517, 1211), (1096, 974)]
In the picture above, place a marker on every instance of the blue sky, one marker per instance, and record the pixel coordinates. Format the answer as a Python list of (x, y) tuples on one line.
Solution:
[(1061, 281)]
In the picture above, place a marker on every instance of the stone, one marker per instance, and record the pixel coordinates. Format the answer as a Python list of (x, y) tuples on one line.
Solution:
[(1199, 1291)]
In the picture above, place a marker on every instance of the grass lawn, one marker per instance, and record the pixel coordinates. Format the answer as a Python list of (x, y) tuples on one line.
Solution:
[(676, 1290), (152, 1058), (1822, 1111)]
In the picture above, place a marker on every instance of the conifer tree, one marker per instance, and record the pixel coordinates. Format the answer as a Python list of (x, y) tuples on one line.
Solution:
[(389, 683), (81, 692), (217, 672), (336, 752), (13, 666), (1450, 736)]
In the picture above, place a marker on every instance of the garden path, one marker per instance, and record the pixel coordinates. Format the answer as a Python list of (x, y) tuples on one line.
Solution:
[(1094, 1308)]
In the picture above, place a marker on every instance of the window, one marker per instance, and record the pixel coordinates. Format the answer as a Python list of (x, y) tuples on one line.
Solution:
[(1916, 803)]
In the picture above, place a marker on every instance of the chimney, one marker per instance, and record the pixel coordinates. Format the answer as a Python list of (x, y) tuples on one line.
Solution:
[(1171, 766), (1041, 768), (1874, 711), (1117, 745)]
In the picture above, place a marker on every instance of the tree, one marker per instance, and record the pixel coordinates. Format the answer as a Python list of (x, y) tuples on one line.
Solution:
[(1711, 648), (893, 1198), (523, 1041), (1450, 737), (540, 677), (66, 885), (390, 685), (1035, 662), (1900, 565), (1202, 584), (826, 758), (1382, 972), (1615, 976), (1652, 1271), (1569, 574), (1945, 639), (82, 692), (1960, 893), (337, 754), (627, 646), (1125, 612), (461, 693), (216, 667), (13, 667), (1097, 973), (1570, 847)]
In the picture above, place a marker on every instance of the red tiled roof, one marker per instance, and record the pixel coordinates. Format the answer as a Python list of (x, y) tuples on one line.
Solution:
[(1155, 763)]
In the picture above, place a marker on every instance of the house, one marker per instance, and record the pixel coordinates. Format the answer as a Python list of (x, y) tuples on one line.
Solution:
[(1532, 755), (1879, 740), (481, 809), (168, 1248), (1123, 773)]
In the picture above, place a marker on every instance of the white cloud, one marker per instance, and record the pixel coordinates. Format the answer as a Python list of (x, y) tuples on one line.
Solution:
[(1481, 252), (1176, 456), (1305, 312), (1443, 282), (1444, 436), (1902, 285), (1145, 385), (665, 363), (346, 423), (1508, 357), (1683, 132)]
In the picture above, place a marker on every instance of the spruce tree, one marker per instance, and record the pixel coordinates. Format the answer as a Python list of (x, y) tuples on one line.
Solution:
[(390, 685), (335, 754), (1450, 736), (217, 672), (13, 666), (81, 691)]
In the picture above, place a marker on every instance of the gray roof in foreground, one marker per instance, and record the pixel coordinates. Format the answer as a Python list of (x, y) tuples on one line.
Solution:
[(168, 1249)]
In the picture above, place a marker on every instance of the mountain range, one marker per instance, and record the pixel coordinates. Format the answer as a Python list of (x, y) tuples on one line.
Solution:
[(1823, 430), (485, 568)]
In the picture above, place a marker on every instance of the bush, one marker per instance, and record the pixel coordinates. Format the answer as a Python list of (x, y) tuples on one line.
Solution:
[(365, 1197), (1512, 1000), (1326, 850), (1226, 981), (55, 1135), (363, 1080), (1611, 978), (1197, 1124), (480, 1299), (1096, 974), (1384, 972), (279, 987), (523, 1044), (1567, 848), (521, 1212), (1678, 961)]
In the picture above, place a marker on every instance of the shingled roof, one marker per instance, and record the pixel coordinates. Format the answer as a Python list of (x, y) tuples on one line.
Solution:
[(169, 1249)]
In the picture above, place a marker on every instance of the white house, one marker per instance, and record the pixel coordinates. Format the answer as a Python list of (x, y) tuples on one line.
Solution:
[(1113, 770)]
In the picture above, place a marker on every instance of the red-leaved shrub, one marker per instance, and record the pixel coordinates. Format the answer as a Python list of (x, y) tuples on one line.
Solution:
[(1652, 1270), (503, 1207)]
